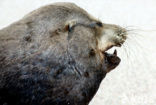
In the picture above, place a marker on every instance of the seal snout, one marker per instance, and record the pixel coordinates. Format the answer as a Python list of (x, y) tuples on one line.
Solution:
[(111, 35)]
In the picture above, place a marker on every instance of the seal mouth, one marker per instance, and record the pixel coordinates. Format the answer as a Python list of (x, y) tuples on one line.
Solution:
[(111, 60)]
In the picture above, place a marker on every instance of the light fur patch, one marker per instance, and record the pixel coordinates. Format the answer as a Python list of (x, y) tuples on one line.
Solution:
[(106, 39)]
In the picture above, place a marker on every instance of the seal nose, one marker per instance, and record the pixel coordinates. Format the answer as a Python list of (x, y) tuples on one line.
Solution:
[(122, 33)]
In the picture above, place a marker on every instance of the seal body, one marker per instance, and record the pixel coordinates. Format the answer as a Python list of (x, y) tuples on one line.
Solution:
[(53, 56)]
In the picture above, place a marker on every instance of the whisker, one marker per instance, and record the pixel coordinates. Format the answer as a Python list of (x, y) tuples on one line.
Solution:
[(137, 45)]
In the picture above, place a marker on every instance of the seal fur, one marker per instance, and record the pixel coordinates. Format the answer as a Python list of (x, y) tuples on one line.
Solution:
[(55, 56)]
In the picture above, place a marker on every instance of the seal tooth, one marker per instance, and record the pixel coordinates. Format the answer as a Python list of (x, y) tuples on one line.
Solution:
[(115, 52)]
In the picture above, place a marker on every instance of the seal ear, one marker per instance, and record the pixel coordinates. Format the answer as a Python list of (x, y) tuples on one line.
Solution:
[(69, 25)]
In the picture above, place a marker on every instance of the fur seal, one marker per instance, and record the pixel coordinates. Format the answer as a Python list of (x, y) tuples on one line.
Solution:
[(56, 55)]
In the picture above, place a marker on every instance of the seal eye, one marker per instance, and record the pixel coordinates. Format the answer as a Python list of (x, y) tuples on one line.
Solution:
[(99, 24)]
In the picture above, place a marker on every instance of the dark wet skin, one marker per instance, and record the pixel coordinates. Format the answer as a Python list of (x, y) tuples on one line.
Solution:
[(112, 60)]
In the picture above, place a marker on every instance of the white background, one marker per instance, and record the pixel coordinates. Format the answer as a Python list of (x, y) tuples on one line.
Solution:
[(133, 82)]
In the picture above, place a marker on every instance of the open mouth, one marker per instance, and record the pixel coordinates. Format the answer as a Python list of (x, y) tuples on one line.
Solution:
[(111, 60)]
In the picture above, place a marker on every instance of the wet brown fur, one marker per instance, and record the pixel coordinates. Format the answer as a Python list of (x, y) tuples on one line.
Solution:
[(44, 61)]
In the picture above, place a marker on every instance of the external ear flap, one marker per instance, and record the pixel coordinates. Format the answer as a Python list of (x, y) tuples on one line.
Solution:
[(69, 25)]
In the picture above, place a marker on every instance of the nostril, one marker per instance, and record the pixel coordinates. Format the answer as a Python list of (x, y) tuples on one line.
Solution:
[(121, 33)]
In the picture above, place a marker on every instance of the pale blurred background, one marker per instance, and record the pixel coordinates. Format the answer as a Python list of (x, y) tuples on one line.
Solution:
[(133, 82)]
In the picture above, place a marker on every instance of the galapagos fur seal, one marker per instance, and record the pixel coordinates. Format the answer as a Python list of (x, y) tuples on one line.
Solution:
[(56, 55)]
